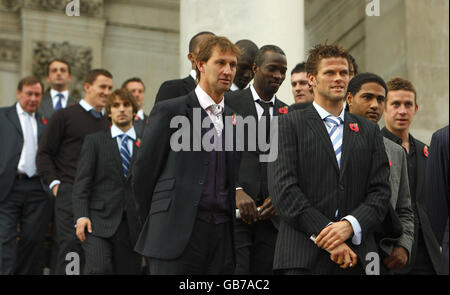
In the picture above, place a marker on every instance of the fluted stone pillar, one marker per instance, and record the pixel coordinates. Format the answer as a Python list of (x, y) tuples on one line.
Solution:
[(264, 22)]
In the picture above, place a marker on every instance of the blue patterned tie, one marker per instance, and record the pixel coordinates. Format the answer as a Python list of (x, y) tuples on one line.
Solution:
[(58, 105), (96, 114), (125, 153), (335, 135)]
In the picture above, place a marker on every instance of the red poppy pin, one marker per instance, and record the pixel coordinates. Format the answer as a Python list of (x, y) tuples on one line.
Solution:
[(234, 119), (136, 117), (138, 142), (283, 110), (390, 163), (425, 151), (44, 121), (354, 127)]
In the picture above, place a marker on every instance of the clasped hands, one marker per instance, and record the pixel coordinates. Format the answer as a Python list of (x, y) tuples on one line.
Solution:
[(248, 210), (332, 238)]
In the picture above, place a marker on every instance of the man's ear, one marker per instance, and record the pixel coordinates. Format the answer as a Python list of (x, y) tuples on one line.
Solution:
[(349, 100), (311, 80), (254, 69)]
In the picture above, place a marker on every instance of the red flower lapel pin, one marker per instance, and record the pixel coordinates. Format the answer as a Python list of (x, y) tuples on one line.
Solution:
[(44, 121), (138, 142), (283, 110), (354, 127), (425, 151), (234, 119), (390, 163)]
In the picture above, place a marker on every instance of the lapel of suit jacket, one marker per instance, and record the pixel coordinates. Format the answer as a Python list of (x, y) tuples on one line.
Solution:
[(114, 148), (348, 139), (14, 118), (133, 157), (277, 106), (40, 125), (47, 105), (318, 127), (420, 170), (192, 104)]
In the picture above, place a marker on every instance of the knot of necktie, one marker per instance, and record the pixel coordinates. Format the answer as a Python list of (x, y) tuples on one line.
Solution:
[(216, 109), (266, 105), (58, 105), (334, 121), (96, 114)]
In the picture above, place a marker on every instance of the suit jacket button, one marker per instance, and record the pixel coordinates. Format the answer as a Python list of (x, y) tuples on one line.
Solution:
[(341, 187), (200, 182)]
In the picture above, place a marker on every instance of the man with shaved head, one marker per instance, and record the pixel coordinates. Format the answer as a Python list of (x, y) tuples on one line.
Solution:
[(244, 71), (180, 87)]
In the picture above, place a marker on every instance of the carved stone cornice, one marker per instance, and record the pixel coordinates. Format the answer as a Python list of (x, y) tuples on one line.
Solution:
[(10, 50)]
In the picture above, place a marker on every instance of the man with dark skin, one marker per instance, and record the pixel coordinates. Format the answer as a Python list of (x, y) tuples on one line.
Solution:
[(255, 233), (178, 87), (366, 97), (244, 70)]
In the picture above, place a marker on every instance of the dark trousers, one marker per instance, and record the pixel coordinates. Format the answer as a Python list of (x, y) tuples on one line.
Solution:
[(114, 255), (64, 225), (209, 251), (324, 266), (422, 264), (24, 214), (255, 247)]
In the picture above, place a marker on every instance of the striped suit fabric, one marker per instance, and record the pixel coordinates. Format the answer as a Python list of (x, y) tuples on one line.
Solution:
[(307, 186)]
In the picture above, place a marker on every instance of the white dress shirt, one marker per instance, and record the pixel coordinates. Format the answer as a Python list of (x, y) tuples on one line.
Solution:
[(357, 233), (55, 98), (259, 108), (22, 117), (205, 102)]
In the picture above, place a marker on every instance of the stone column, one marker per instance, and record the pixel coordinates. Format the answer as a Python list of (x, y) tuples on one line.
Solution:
[(410, 39), (264, 22)]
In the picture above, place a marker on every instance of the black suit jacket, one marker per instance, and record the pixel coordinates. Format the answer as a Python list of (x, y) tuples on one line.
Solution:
[(11, 146), (307, 186), (46, 108), (431, 242), (250, 168), (175, 88), (101, 192), (139, 126), (168, 185), (437, 191)]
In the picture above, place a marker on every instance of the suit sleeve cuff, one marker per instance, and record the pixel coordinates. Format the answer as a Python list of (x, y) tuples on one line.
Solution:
[(238, 188), (53, 183), (357, 234)]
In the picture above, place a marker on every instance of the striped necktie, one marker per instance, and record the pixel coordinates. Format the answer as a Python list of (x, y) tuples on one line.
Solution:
[(125, 153), (335, 135)]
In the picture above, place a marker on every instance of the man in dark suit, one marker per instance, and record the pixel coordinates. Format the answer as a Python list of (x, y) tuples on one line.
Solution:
[(23, 200), (255, 233), (366, 97), (437, 190), (400, 109), (58, 77), (324, 184), (186, 194), (103, 204), (179, 87), (58, 154), (137, 88)]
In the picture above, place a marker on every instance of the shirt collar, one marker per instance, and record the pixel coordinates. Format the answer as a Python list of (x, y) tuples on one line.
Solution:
[(115, 131), (20, 111), (323, 113), (256, 96), (389, 135), (205, 100), (85, 105), (193, 74), (53, 93), (140, 114), (234, 87)]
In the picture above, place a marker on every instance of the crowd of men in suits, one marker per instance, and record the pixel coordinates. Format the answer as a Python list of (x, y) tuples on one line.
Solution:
[(100, 179)]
